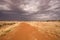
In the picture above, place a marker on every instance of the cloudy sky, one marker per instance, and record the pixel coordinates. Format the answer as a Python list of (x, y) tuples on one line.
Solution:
[(29, 9)]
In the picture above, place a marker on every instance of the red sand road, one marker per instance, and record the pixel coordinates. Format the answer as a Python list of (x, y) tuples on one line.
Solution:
[(25, 31)]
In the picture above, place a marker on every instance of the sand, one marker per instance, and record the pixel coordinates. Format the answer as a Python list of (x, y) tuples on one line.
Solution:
[(34, 31)]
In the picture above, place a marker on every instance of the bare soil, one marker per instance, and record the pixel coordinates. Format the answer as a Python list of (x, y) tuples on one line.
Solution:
[(34, 31)]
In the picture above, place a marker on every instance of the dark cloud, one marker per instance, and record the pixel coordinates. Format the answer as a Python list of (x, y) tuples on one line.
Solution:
[(29, 10)]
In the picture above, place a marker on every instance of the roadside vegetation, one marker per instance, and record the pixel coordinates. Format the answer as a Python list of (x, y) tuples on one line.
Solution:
[(5, 24)]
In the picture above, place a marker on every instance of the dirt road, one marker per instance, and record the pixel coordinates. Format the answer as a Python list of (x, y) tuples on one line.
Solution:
[(27, 31)]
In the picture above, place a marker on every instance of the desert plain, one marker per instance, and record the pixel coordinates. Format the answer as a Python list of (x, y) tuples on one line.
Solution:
[(29, 30)]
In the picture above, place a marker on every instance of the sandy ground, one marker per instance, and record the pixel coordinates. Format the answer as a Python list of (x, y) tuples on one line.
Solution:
[(34, 31)]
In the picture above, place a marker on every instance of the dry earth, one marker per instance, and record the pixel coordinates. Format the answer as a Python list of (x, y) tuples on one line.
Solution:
[(32, 30)]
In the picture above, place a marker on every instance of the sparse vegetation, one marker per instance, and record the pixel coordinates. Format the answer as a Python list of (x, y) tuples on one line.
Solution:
[(50, 29), (8, 23), (4, 24), (0, 25)]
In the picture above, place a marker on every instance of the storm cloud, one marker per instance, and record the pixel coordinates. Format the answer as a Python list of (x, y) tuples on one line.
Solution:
[(29, 10)]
